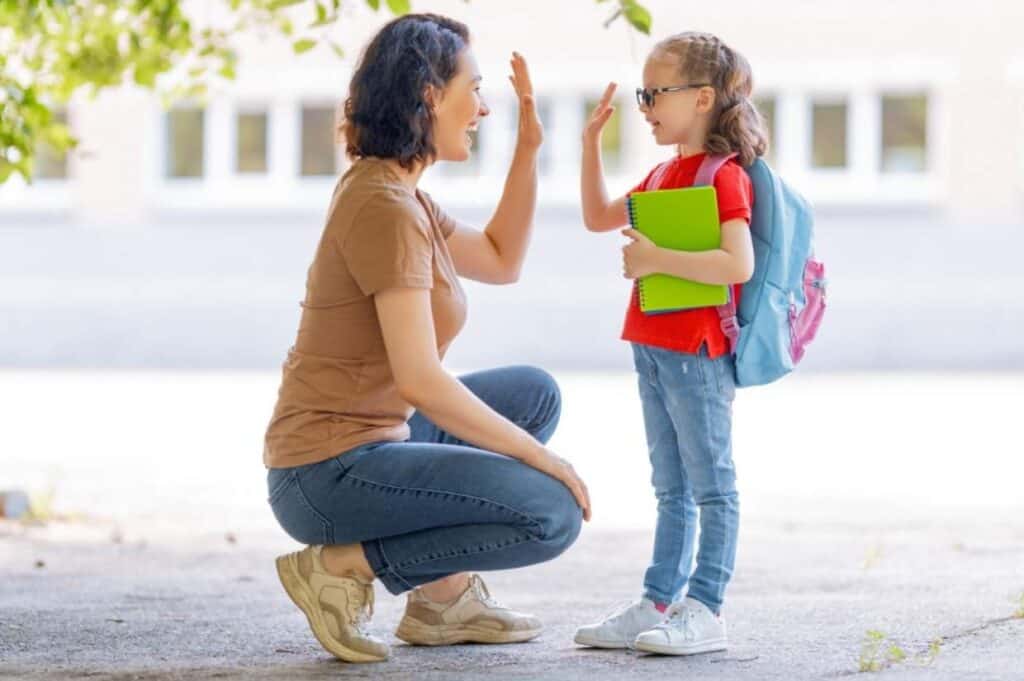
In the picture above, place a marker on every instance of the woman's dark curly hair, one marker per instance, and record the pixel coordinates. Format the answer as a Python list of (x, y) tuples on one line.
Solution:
[(386, 114)]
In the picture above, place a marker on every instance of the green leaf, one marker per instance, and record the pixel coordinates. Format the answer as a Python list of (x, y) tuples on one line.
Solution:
[(304, 45), (337, 49), (399, 7), (279, 4), (638, 16), (321, 13), (374, 4)]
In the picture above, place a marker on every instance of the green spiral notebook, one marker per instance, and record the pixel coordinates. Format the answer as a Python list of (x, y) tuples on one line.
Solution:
[(683, 220)]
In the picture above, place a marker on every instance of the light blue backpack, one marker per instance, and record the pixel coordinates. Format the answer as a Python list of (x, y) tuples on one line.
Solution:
[(782, 305)]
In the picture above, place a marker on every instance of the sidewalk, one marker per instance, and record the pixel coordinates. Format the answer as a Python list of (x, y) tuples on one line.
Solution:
[(805, 596), (897, 509)]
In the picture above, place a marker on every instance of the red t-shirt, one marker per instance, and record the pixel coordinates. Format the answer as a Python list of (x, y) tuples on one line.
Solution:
[(686, 330)]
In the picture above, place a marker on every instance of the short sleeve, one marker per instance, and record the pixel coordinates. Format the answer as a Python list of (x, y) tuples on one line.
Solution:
[(389, 245), (444, 221), (735, 193), (641, 187)]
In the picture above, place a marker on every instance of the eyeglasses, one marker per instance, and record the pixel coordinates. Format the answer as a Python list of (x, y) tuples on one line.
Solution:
[(645, 97)]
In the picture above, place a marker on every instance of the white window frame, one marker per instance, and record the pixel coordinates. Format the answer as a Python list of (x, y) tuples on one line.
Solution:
[(45, 197), (862, 83)]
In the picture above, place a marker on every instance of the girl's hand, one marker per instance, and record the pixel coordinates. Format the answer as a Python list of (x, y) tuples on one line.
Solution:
[(531, 131), (640, 257), (558, 468), (602, 112)]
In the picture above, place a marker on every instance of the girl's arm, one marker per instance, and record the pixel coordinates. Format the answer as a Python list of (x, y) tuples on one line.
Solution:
[(495, 255), (733, 263), (599, 213), (407, 325)]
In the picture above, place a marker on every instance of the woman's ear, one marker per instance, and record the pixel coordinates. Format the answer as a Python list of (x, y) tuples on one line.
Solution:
[(432, 97)]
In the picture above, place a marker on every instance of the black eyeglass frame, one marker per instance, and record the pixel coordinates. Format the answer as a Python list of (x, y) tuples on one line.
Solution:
[(645, 97)]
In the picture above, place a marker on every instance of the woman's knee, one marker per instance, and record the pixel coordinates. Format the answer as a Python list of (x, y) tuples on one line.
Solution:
[(543, 391), (559, 523)]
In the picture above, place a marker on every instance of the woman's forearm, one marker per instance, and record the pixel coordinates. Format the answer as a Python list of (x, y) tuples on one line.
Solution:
[(451, 406), (512, 224)]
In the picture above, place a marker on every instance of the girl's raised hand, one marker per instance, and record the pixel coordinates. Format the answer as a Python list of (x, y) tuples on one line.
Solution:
[(531, 131), (602, 112)]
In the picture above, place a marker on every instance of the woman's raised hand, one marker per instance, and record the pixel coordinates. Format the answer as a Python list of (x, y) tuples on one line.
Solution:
[(531, 131), (602, 112)]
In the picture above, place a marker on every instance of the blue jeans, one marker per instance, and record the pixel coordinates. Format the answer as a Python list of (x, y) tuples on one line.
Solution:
[(687, 404), (433, 505)]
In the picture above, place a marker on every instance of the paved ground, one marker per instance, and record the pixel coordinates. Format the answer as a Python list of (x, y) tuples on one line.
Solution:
[(896, 508), (810, 585)]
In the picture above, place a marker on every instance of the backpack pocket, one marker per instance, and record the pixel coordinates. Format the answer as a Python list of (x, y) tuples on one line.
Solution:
[(804, 323)]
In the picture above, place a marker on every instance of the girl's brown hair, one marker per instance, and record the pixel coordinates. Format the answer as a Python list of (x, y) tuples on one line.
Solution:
[(736, 125)]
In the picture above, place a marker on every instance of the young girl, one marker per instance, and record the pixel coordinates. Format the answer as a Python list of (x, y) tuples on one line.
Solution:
[(696, 98)]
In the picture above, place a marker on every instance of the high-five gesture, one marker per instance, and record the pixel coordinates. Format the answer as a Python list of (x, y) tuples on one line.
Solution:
[(599, 117), (531, 131)]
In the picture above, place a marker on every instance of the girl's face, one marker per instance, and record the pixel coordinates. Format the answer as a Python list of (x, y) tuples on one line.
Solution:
[(675, 117), (458, 110)]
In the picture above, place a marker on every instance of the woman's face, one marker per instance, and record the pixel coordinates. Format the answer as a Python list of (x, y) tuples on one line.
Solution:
[(458, 111)]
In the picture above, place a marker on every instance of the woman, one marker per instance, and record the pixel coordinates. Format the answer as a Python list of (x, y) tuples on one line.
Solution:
[(386, 465)]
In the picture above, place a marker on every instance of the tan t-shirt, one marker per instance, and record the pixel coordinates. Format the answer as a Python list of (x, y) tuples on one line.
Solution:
[(337, 390)]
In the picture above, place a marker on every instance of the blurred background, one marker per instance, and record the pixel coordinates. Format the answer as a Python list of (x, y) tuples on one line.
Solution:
[(150, 279)]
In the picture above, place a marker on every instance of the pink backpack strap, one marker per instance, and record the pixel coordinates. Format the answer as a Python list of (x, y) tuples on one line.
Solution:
[(656, 177), (709, 167)]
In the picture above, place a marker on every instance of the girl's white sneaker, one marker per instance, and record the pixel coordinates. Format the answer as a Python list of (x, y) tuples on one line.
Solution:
[(619, 629), (689, 628)]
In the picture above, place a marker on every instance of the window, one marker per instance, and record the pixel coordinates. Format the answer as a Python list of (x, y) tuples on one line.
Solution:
[(829, 134), (318, 141), (251, 143), (766, 106), (51, 164), (611, 138), (904, 133), (185, 143)]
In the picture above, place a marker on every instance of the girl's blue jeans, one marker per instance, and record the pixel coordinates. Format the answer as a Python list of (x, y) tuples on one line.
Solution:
[(687, 406)]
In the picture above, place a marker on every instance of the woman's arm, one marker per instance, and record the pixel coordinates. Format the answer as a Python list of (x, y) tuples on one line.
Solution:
[(599, 213), (733, 263), (407, 325), (495, 255)]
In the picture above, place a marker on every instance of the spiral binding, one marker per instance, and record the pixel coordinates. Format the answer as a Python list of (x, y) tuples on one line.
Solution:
[(631, 209)]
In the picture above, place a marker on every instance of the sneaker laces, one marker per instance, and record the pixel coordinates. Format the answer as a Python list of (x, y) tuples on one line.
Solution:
[(680, 617), (619, 610), (361, 608), (482, 593)]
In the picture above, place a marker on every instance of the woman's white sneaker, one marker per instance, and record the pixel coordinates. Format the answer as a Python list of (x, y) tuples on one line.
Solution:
[(689, 628), (620, 629)]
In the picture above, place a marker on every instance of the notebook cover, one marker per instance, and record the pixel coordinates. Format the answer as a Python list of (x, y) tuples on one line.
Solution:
[(683, 220)]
